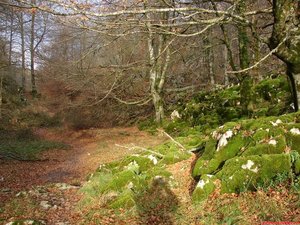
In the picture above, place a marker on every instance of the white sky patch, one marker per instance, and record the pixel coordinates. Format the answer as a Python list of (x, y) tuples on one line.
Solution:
[(248, 166), (272, 142), (268, 130), (202, 183), (230, 178), (295, 131), (153, 159), (223, 140)]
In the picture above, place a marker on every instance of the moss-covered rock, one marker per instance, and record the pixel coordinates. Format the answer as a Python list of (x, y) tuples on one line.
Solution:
[(205, 186), (242, 173), (246, 154)]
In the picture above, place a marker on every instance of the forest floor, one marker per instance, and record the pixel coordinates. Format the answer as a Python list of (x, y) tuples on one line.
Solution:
[(47, 189)]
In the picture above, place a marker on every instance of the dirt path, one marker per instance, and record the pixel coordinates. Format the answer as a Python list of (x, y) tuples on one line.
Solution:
[(88, 149)]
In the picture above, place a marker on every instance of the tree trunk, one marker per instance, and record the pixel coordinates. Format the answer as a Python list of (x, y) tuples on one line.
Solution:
[(32, 54), (286, 30), (11, 34), (209, 58), (159, 58), (23, 57), (246, 80), (226, 77), (294, 76), (1, 90)]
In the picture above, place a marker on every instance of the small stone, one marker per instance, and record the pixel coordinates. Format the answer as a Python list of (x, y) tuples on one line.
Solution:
[(45, 205), (6, 190), (272, 142), (295, 131)]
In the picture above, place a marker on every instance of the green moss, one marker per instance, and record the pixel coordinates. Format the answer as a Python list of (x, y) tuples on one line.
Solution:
[(242, 173), (173, 157), (267, 148), (204, 188), (125, 200), (293, 141), (210, 167), (297, 166), (198, 166), (210, 149), (260, 135), (232, 148), (119, 180), (192, 141), (295, 160)]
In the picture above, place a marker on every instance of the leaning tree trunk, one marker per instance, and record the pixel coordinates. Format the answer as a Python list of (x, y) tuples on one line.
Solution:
[(286, 37)]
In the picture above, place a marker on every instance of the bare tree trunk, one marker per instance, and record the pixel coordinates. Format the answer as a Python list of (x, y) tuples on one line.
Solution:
[(1, 90), (23, 56), (257, 55), (11, 34), (226, 77), (209, 58), (286, 30), (32, 54), (159, 58), (246, 80)]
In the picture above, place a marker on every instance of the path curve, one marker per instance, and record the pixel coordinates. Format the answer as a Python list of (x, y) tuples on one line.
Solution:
[(89, 149)]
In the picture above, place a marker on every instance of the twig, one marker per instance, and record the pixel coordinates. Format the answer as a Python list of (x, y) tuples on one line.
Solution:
[(260, 61), (134, 147), (172, 139)]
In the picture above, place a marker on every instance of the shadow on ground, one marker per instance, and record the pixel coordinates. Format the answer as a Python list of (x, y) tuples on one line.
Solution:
[(158, 204)]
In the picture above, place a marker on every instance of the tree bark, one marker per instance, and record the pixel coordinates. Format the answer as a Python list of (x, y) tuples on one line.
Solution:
[(32, 54), (1, 91), (226, 77), (159, 59), (209, 58), (246, 80), (22, 32), (286, 30)]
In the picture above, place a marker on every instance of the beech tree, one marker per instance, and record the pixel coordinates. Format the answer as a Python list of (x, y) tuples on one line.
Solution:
[(164, 23), (286, 40)]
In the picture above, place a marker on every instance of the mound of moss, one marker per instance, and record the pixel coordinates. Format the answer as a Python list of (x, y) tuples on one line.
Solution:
[(271, 97), (246, 154), (120, 183)]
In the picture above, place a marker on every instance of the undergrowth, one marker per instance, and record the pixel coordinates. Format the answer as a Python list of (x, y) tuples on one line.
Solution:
[(24, 145)]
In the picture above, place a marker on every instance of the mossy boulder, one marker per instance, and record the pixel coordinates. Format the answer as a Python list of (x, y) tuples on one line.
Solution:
[(248, 153), (271, 97), (244, 173), (205, 186)]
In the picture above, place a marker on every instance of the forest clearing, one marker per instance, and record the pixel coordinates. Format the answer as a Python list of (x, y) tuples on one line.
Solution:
[(154, 112)]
